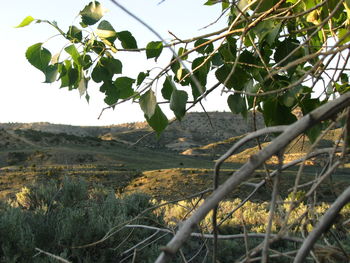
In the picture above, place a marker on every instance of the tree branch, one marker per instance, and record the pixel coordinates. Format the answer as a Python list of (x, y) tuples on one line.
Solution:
[(324, 112), (324, 224)]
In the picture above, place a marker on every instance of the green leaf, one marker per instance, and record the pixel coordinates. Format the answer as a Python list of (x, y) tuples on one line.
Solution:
[(26, 21), (70, 74), (51, 73), (105, 31), (63, 70), (289, 99), (205, 49), (181, 52), (154, 49), (74, 34), (247, 57), (99, 73), (38, 56), (107, 85), (200, 74), (112, 65), (72, 50), (227, 52), (175, 66), (98, 47), (284, 49), (73, 74), (236, 80), (236, 104), (92, 13), (196, 92), (263, 5), (343, 33), (141, 77), (182, 76), (87, 97), (273, 33), (342, 88), (203, 65), (307, 105), (225, 5), (168, 87), (124, 87), (148, 103), (267, 30), (217, 60), (85, 61), (127, 40), (251, 88), (212, 2), (313, 132), (106, 68), (276, 114), (178, 102), (344, 77), (158, 121), (111, 91)]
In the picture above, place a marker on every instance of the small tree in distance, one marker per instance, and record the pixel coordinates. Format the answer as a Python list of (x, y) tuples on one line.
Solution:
[(272, 57)]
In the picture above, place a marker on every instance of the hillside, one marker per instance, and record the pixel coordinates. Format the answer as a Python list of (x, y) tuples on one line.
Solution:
[(110, 155), (195, 130)]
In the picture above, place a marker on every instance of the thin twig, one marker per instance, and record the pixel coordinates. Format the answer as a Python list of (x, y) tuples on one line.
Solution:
[(52, 255), (140, 243), (272, 208)]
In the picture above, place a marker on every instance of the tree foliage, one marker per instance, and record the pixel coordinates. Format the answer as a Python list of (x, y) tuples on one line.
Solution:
[(273, 56)]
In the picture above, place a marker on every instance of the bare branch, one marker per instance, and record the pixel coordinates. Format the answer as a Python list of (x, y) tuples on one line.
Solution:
[(324, 112), (323, 225), (272, 208), (52, 256), (222, 237)]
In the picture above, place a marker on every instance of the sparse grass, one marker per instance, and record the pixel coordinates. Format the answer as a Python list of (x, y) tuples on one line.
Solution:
[(170, 184)]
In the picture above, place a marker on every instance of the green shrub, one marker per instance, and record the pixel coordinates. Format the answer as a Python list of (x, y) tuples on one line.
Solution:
[(63, 217), (14, 158), (58, 216)]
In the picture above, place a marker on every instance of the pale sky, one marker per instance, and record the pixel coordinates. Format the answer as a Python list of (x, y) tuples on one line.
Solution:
[(23, 96)]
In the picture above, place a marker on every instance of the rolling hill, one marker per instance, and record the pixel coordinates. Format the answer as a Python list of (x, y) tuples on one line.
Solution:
[(129, 156)]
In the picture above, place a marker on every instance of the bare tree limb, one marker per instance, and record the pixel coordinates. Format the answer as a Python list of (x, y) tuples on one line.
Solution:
[(323, 225), (222, 237), (322, 113)]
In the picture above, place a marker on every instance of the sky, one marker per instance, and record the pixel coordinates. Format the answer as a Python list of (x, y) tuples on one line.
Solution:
[(25, 98)]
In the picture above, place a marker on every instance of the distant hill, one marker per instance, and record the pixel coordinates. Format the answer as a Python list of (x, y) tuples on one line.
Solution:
[(205, 135), (195, 130)]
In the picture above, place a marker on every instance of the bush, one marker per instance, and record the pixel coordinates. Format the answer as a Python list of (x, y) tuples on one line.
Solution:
[(61, 216), (58, 216), (14, 158)]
